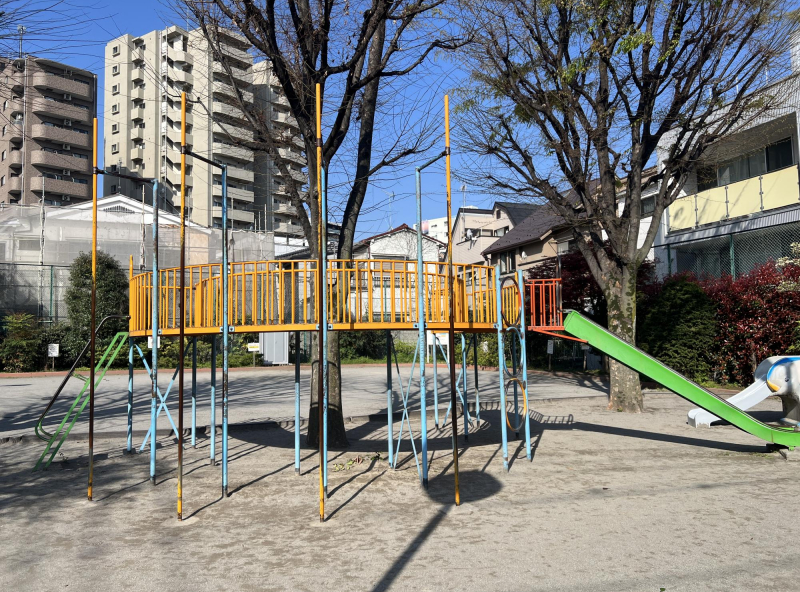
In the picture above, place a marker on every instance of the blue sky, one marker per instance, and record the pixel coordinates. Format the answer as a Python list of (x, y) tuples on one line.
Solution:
[(111, 19)]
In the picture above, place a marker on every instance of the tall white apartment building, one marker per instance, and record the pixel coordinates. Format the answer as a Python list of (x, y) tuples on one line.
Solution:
[(144, 79), (272, 206)]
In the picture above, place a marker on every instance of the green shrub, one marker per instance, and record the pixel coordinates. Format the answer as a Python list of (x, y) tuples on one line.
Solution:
[(23, 348), (679, 328), (111, 299)]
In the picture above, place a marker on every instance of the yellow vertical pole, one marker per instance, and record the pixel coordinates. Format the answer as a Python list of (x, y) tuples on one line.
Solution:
[(321, 243), (93, 307), (181, 307), (450, 278)]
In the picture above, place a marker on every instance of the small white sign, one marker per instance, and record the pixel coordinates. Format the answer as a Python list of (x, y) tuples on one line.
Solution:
[(150, 342), (253, 347), (550, 346), (586, 346), (52, 350)]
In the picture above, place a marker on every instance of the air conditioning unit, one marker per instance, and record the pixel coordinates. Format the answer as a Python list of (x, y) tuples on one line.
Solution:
[(66, 172), (66, 147), (65, 198), (68, 122), (67, 97)]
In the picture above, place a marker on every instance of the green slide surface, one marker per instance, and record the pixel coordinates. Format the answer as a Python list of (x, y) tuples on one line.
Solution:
[(600, 338)]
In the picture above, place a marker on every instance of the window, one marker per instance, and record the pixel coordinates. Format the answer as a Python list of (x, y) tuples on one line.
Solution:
[(4, 130), (113, 189), (766, 160), (648, 205), (2, 181), (779, 155), (115, 70), (5, 104), (498, 214), (508, 262), (115, 50), (115, 89), (114, 128), (114, 148), (501, 231), (3, 155)]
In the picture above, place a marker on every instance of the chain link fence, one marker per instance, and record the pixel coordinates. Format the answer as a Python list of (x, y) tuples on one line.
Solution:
[(735, 254), (39, 290)]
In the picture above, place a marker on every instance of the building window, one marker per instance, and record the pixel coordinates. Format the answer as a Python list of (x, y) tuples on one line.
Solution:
[(508, 262), (498, 214), (115, 89), (113, 189), (3, 156), (2, 181), (115, 70), (4, 130), (115, 50), (648, 205), (772, 158), (114, 128), (501, 231), (115, 108), (114, 148)]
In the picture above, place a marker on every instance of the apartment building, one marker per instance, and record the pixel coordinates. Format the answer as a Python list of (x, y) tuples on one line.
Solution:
[(742, 208), (272, 205), (45, 131), (144, 79)]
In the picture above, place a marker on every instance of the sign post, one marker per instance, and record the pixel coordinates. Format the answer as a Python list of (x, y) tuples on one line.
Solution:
[(254, 348), (53, 353)]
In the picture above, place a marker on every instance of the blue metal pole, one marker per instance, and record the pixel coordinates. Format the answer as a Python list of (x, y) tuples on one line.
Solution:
[(297, 402), (130, 395), (324, 320), (213, 424), (225, 329), (501, 363), (516, 394), (154, 331), (464, 372), (523, 360), (435, 384), (389, 401), (421, 327), (194, 393)]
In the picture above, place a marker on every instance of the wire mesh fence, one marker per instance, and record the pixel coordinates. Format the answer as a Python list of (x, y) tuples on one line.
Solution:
[(735, 254), (39, 290)]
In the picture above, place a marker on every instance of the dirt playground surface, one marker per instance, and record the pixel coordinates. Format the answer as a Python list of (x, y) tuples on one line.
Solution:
[(610, 502)]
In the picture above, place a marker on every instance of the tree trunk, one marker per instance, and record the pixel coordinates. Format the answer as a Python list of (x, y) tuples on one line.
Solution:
[(337, 436), (625, 393)]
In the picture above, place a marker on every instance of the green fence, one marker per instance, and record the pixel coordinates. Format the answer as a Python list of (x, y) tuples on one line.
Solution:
[(734, 254), (39, 290)]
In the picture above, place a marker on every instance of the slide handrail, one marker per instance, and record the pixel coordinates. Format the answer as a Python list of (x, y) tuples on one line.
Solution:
[(38, 429)]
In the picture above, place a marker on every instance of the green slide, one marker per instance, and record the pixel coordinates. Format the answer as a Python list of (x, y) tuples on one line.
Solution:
[(600, 338)]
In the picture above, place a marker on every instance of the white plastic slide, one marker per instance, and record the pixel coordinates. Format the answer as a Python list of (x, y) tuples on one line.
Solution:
[(744, 400)]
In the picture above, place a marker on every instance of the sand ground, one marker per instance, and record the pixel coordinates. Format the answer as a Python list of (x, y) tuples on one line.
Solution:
[(610, 502)]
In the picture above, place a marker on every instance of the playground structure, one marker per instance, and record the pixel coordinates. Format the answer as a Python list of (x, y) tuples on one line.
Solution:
[(333, 295), (314, 296)]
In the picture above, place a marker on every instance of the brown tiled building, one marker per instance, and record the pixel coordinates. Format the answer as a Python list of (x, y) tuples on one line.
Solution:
[(46, 112)]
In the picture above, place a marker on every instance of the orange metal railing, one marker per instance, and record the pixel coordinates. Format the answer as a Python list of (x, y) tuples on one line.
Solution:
[(283, 296), (545, 304)]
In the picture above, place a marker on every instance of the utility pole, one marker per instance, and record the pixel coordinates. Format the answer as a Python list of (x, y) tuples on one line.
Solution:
[(21, 30), (141, 248), (41, 252)]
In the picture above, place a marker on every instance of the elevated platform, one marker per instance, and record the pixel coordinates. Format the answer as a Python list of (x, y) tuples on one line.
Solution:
[(363, 294)]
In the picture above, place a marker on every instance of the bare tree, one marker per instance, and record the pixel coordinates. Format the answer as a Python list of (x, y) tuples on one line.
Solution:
[(355, 51), (572, 100)]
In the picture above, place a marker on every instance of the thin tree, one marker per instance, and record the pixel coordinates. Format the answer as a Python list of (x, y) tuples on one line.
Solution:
[(572, 101), (356, 51)]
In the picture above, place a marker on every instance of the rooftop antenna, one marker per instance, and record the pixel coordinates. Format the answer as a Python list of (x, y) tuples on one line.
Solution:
[(391, 205), (464, 194)]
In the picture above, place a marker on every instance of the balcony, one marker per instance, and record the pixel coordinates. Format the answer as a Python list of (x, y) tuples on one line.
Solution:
[(137, 133), (235, 215), (241, 75), (240, 174), (234, 50), (235, 132), (767, 192), (178, 55), (174, 177), (235, 194), (284, 208), (61, 186), (137, 153), (15, 184), (234, 152), (60, 161), (181, 76), (14, 131), (137, 74), (232, 111), (44, 80), (15, 158), (16, 105), (60, 135), (223, 88), (17, 81), (59, 109)]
